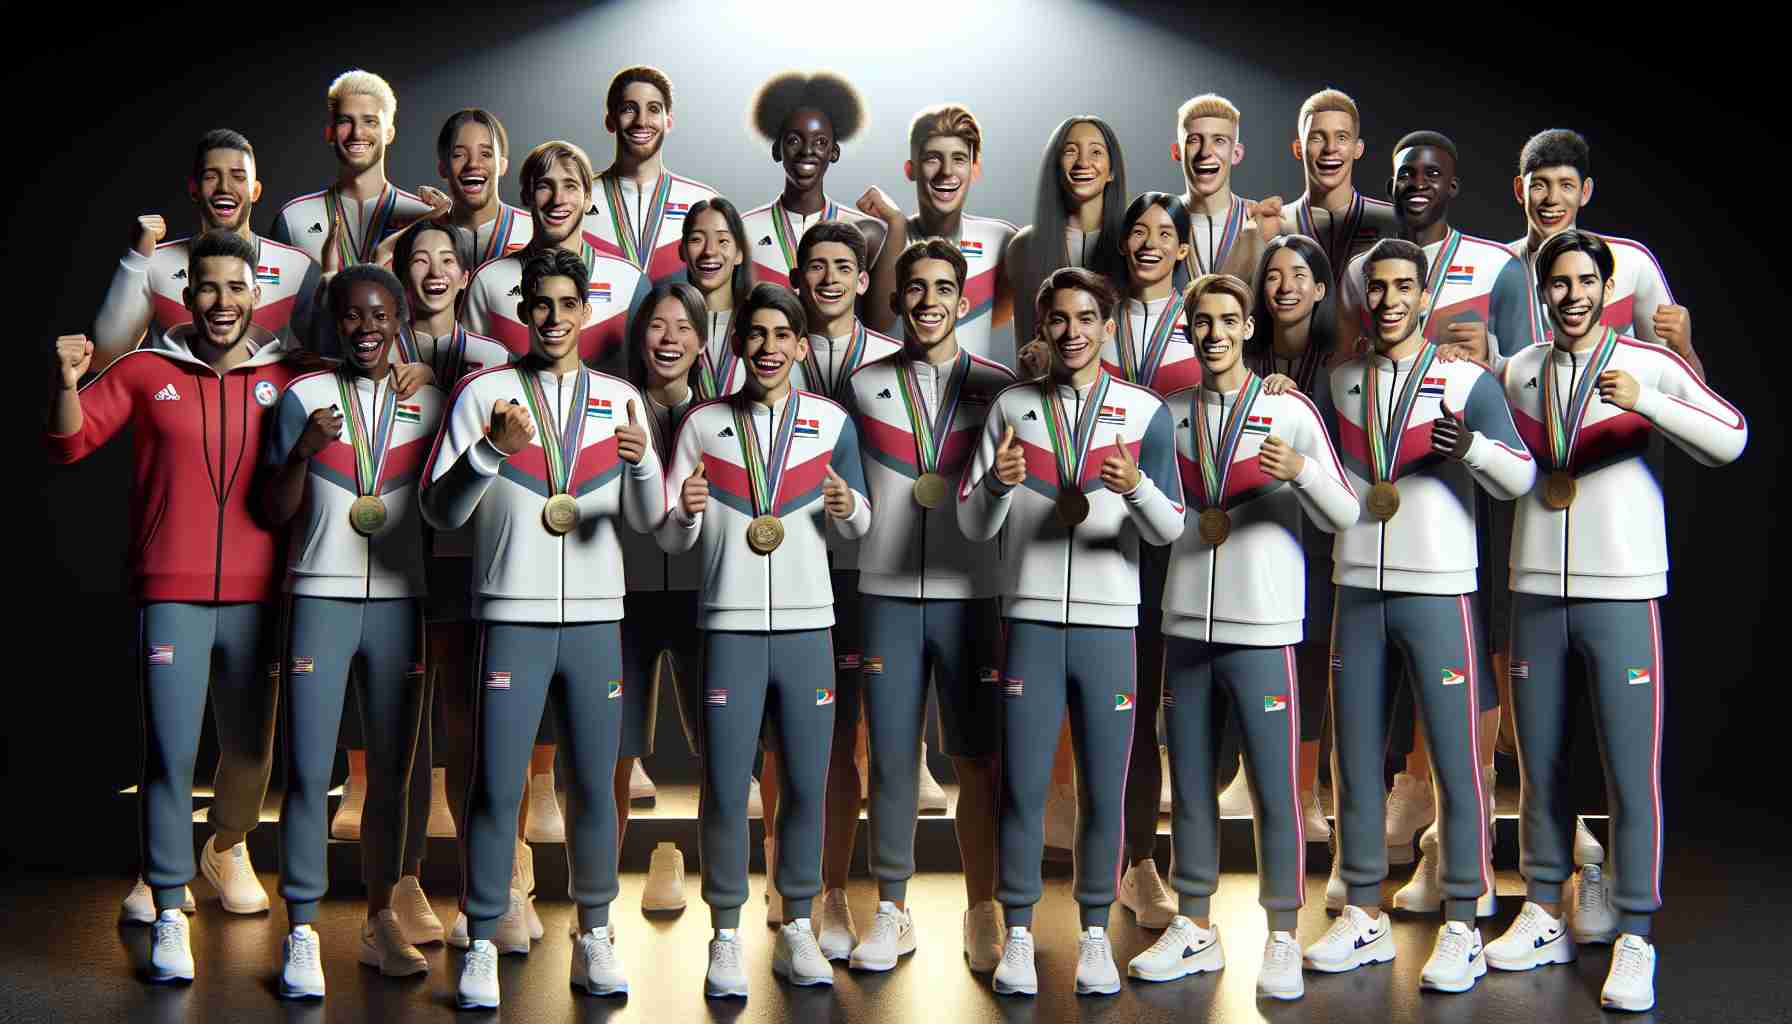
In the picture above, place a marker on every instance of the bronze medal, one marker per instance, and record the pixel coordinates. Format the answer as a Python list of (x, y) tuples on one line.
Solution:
[(1073, 508), (1215, 525), (1384, 501), (561, 514), (930, 490), (764, 534), (367, 515), (1558, 489)]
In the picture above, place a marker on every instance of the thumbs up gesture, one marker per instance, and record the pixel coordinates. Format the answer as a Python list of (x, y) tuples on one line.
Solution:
[(1449, 437), (1120, 471), (694, 497), (836, 496), (631, 438), (1011, 462)]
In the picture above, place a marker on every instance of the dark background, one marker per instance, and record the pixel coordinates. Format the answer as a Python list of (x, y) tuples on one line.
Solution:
[(104, 123)]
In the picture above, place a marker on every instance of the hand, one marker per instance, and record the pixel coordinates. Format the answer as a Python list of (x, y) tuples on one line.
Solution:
[(1279, 460), (511, 430), (1464, 339), (877, 203), (331, 264), (409, 378), (321, 427), (1119, 471), (440, 203), (151, 228), (694, 497), (1449, 437), (836, 497), (631, 440), (1011, 462), (1673, 325), (1036, 357), (1266, 213), (74, 355), (1618, 388), (1278, 384)]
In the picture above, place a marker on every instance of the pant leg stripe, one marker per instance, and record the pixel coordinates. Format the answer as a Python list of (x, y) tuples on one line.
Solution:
[(1132, 725), (1300, 826), (1655, 757), (1474, 738)]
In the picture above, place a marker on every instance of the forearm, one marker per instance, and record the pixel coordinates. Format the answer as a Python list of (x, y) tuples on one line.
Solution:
[(1158, 519), (883, 278), (643, 495), (449, 500), (1502, 471), (124, 314), (65, 410), (285, 492)]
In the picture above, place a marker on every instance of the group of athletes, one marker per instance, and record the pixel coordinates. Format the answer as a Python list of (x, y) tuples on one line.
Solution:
[(1240, 470)]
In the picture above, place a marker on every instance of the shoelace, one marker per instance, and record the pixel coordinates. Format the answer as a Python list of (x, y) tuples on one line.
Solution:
[(1453, 944), (600, 951), (1174, 937), (304, 952), (1017, 952), (1282, 953), (417, 902), (886, 928), (1343, 929), (726, 954), (168, 938), (482, 960), (1631, 963), (1092, 952), (1588, 895)]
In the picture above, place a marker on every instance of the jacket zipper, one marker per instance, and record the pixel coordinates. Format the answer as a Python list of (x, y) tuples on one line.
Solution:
[(1070, 534), (223, 493)]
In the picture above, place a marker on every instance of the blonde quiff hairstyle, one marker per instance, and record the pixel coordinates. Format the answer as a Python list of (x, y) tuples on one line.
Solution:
[(1225, 284), (948, 119), (1208, 104), (357, 82), (1327, 99)]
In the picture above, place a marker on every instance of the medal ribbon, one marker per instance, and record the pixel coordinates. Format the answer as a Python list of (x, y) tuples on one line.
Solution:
[(1140, 367), (1351, 219), (1216, 455), (637, 249), (1072, 448), (1382, 454), (1436, 280), (494, 247), (1229, 235), (1564, 424), (408, 352), (855, 351), (370, 453), (767, 475), (715, 373), (448, 374), (361, 252), (560, 442), (930, 437), (787, 236)]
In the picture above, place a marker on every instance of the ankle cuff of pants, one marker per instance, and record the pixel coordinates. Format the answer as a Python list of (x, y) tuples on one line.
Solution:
[(297, 911), (794, 909), (1282, 920), (724, 917), (895, 892), (1460, 910), (1095, 915), (1365, 895), (1634, 924), (175, 896), (482, 929), (1194, 906), (594, 917), (1543, 892), (1018, 916)]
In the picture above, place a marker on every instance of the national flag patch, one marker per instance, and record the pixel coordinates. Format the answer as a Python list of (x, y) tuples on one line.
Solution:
[(1337, 662), (615, 689), (1459, 274), (807, 428), (497, 680), (874, 666), (1011, 686), (1122, 702), (597, 291), (1519, 670), (274, 671), (970, 250), (676, 210), (599, 408), (1637, 676), (1112, 414), (846, 661), (416, 669), (823, 696), (161, 654), (989, 675), (302, 666), (1453, 678), (267, 275), (1275, 702), (1257, 424), (715, 698), (1432, 387), (408, 413)]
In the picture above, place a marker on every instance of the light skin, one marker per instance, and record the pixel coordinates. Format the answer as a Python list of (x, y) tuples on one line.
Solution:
[(831, 284), (1076, 331), (358, 134), (553, 314), (930, 304), (472, 170), (1328, 148), (640, 121), (672, 345), (1221, 327), (223, 193), (1577, 295), (943, 170), (1153, 250), (1208, 151), (1396, 298), (711, 253), (434, 280), (558, 201)]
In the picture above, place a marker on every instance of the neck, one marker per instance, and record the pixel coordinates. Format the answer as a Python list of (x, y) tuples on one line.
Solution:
[(1291, 339), (1228, 380), (1336, 200), (1402, 349), (643, 172), (771, 396), (1216, 206), (1080, 378), (939, 354), (1584, 343), (222, 360), (561, 366), (575, 242), (1157, 290), (935, 224), (669, 393), (802, 201), (1087, 215), (1535, 237), (474, 217), (838, 327), (362, 185), (1435, 232), (246, 233), (436, 325), (721, 300), (376, 372)]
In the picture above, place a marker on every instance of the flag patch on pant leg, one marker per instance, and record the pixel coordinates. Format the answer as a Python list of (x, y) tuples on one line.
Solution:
[(1122, 702), (872, 666), (1520, 670), (846, 662), (1337, 662), (301, 666), (1453, 677), (615, 689), (989, 675), (1275, 702), (1011, 686), (823, 696), (161, 654), (1637, 676), (717, 698), (497, 680)]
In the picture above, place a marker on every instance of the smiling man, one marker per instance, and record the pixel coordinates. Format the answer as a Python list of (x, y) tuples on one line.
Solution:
[(472, 156), (1227, 232), (1328, 142), (638, 206)]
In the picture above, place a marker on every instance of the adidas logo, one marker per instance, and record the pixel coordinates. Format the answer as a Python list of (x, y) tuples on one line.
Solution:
[(1531, 385), (1030, 415), (885, 393), (766, 240), (180, 275), (516, 289), (593, 211), (726, 432), (315, 229), (1355, 389), (1184, 422), (167, 394)]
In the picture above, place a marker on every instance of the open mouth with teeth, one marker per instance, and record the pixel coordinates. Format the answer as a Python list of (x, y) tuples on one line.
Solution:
[(807, 167), (222, 323), (666, 358), (434, 287), (1215, 348), (559, 216), (1207, 171), (1328, 166), (367, 345), (709, 269), (1551, 216), (1286, 302), (1080, 178), (1147, 259), (641, 138), (357, 148), (944, 190), (557, 334), (768, 364), (1073, 349), (1416, 204), (830, 294), (472, 185), (1574, 314), (224, 207), (1390, 321), (930, 319)]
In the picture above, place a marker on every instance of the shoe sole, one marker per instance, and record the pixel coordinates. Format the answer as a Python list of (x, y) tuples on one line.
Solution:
[(1476, 972), (475, 1002), (599, 991), (1200, 963), (1285, 995), (1623, 1007), (1002, 989), (288, 992), (902, 950), (378, 962), (838, 955), (720, 992), (983, 967), (161, 977), (432, 938), (1360, 959), (788, 975), (657, 907), (1559, 953), (1098, 990)]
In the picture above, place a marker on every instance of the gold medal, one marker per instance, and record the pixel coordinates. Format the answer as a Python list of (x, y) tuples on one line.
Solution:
[(764, 534), (1384, 501), (930, 490), (367, 515), (561, 514), (1215, 525), (1558, 489), (1073, 508)]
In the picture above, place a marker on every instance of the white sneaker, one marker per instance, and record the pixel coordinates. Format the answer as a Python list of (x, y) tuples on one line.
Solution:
[(512, 932), (725, 976), (755, 808), (1424, 892), (640, 787), (1060, 816), (1015, 975), (170, 948), (1354, 939), (416, 918), (479, 977), (383, 945), (1411, 807), (522, 879), (1235, 799), (1586, 847), (1313, 820), (1165, 799), (933, 798), (1183, 949), (301, 965), (1591, 918), (1534, 939), (546, 824), (234, 877), (1280, 977), (838, 936), (1096, 974), (798, 959), (1457, 960), (1142, 891), (665, 880), (441, 821), (1335, 890), (891, 937), (1630, 984), (595, 966), (983, 937), (457, 936), (139, 906), (346, 825)]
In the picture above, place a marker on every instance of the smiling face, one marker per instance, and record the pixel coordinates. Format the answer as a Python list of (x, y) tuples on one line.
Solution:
[(1576, 295), (1209, 149), (555, 316), (360, 132), (474, 166), (671, 342), (710, 251), (1084, 166), (226, 189), (1220, 328), (1329, 149), (806, 147), (558, 199), (943, 173), (832, 281), (221, 298), (1424, 183), (1153, 249), (367, 323), (1075, 328), (1290, 287), (641, 120), (930, 303), (1395, 298), (434, 277), (1552, 198), (771, 345)]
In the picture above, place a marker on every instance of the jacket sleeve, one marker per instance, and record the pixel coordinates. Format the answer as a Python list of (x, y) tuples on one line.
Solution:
[(676, 532), (278, 231), (477, 315), (108, 403), (283, 430), (1511, 313), (1324, 493), (982, 499), (125, 312), (643, 484), (1651, 293), (1157, 510), (311, 327), (1497, 458), (1691, 415), (462, 466), (846, 462)]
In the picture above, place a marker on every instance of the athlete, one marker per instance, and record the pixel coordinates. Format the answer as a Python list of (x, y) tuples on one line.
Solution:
[(472, 155), (1233, 613), (343, 455), (805, 117), (638, 207), (204, 572), (1414, 449), (1328, 142), (556, 186), (782, 464), (928, 603), (1589, 567), (1071, 464), (1554, 183), (716, 264), (546, 458), (346, 223), (945, 158), (145, 300), (1227, 232)]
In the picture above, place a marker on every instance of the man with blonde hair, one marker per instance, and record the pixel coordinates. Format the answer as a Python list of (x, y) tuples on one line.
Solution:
[(638, 207), (1328, 142), (1227, 232)]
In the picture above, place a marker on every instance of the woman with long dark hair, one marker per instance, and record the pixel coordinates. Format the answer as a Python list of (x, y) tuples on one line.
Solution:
[(714, 252)]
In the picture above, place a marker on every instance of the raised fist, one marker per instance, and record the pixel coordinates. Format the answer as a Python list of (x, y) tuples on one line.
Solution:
[(511, 431)]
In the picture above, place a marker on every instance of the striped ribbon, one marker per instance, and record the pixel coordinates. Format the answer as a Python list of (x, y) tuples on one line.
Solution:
[(1141, 367), (765, 475), (1382, 455), (1215, 454), (360, 252), (1352, 218), (1071, 448), (494, 247), (370, 453), (787, 236), (714, 375), (1228, 236), (1564, 424), (855, 351), (930, 437), (1438, 278), (560, 442), (637, 249)]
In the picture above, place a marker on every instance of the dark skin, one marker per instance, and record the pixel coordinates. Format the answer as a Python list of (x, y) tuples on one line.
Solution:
[(1429, 173), (806, 147)]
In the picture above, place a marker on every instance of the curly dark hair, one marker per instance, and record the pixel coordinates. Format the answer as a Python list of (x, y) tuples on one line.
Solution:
[(789, 91)]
